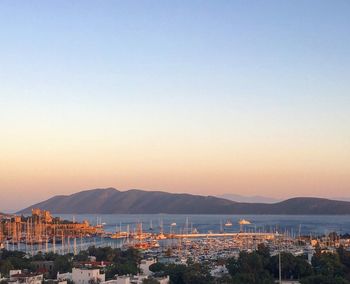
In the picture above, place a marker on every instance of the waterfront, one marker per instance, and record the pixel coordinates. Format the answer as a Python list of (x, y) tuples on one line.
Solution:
[(212, 242), (67, 233), (306, 224)]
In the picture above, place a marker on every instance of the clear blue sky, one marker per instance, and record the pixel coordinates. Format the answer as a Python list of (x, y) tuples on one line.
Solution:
[(193, 84)]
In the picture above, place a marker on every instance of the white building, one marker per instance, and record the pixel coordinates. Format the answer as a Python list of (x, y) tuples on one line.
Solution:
[(16, 276), (13, 272), (84, 275), (64, 276), (124, 279), (219, 271)]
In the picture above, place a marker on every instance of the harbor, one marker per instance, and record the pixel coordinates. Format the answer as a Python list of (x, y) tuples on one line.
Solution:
[(42, 232), (168, 243)]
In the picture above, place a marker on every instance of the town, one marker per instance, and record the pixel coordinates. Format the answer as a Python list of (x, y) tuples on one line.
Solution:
[(45, 249)]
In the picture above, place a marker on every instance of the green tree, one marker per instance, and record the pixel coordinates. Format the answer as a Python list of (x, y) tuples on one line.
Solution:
[(50, 256), (82, 256), (62, 264), (176, 273), (264, 251), (249, 268), (197, 273), (157, 267), (39, 256), (328, 264), (292, 267), (5, 267), (150, 281), (323, 279)]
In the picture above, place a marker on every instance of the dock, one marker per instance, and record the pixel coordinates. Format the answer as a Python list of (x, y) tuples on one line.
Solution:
[(224, 235)]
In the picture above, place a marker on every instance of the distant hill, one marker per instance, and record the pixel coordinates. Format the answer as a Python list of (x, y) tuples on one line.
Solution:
[(110, 200), (248, 199)]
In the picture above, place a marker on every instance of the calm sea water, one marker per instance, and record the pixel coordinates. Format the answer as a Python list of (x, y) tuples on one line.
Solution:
[(306, 224)]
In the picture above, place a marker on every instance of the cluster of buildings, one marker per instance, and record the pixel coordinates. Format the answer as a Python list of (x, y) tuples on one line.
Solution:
[(207, 249), (92, 272), (87, 272), (40, 229)]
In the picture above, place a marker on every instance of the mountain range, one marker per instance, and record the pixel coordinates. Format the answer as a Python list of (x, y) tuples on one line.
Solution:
[(113, 201)]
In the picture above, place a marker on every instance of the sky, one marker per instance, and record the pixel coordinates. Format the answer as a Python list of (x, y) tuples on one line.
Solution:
[(204, 97)]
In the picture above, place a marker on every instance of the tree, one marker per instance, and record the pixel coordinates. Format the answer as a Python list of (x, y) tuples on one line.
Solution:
[(197, 273), (39, 256), (150, 281), (344, 256), (328, 264), (264, 251), (5, 267), (293, 267), (176, 273), (250, 268), (323, 279), (264, 278), (157, 267), (82, 256), (50, 256), (62, 264)]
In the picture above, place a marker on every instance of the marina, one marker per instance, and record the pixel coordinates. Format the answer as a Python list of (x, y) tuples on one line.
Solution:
[(171, 240), (183, 238)]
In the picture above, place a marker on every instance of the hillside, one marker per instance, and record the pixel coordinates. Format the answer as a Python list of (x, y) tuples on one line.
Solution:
[(112, 201)]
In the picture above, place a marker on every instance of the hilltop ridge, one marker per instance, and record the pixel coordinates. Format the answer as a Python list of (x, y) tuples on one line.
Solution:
[(135, 201)]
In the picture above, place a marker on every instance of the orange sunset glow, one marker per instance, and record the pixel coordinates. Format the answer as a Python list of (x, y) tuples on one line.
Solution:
[(205, 101)]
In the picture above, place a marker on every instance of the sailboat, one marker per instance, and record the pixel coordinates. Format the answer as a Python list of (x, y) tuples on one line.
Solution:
[(221, 227), (228, 223)]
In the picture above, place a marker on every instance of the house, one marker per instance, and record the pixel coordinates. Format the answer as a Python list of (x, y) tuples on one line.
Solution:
[(86, 275), (17, 276), (64, 276), (96, 264), (218, 271), (44, 266)]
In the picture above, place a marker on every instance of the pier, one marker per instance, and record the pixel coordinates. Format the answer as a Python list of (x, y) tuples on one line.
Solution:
[(224, 235)]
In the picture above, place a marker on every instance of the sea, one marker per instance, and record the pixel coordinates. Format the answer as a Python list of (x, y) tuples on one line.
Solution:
[(179, 223)]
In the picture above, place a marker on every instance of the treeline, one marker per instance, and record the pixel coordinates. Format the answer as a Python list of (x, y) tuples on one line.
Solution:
[(260, 267)]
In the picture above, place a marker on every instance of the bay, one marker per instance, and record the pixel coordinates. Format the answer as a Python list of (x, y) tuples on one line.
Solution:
[(293, 224)]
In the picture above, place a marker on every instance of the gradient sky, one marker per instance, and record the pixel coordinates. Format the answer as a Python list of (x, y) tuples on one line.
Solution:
[(207, 97)]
